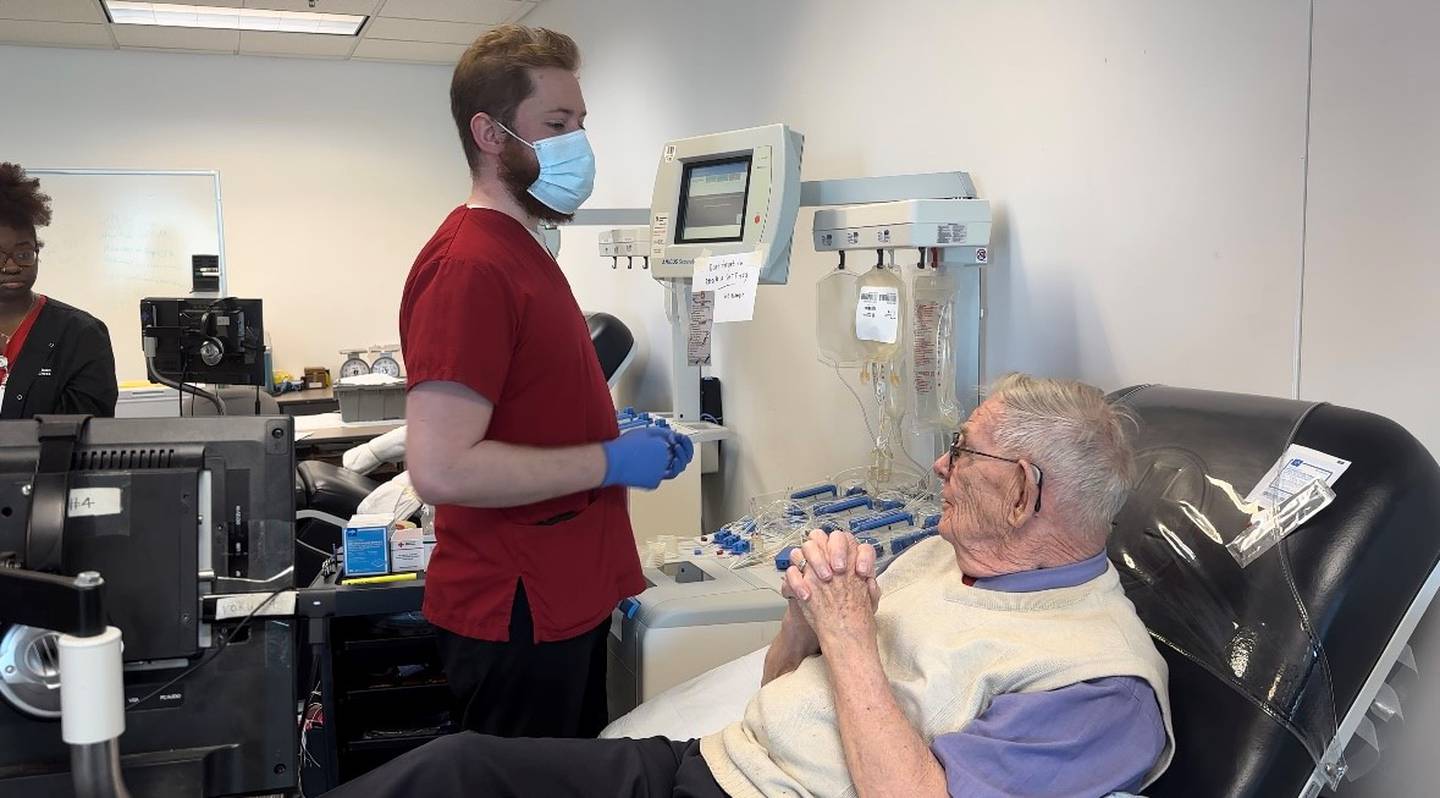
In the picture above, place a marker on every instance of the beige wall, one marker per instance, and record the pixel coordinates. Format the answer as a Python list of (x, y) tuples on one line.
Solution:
[(333, 173)]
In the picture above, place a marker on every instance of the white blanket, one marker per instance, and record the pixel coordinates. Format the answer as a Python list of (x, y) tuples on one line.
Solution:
[(704, 705)]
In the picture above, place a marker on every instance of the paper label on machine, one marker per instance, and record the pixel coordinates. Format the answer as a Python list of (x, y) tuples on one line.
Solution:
[(718, 271), (90, 502), (702, 319), (877, 315), (227, 607), (736, 301), (659, 228), (951, 233)]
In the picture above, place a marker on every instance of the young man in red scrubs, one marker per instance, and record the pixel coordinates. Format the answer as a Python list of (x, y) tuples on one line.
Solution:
[(511, 429)]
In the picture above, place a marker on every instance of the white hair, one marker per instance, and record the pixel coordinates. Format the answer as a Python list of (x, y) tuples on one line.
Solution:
[(1076, 437)]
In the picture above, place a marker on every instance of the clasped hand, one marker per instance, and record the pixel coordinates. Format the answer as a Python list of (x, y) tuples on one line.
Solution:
[(831, 582)]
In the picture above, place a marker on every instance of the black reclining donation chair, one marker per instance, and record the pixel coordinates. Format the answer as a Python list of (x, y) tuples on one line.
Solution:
[(1275, 666)]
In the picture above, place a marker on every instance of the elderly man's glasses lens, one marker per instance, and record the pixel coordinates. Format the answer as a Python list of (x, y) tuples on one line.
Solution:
[(956, 449), (22, 257)]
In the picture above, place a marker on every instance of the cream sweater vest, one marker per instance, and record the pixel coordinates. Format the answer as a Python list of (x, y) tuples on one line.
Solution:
[(947, 649)]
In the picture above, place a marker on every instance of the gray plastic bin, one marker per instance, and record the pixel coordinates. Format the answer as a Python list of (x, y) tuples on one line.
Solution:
[(371, 402)]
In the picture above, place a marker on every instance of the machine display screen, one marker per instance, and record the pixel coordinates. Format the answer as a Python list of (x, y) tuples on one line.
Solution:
[(712, 200)]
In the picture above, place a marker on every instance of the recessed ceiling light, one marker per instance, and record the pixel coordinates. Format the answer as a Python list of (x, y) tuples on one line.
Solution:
[(178, 15)]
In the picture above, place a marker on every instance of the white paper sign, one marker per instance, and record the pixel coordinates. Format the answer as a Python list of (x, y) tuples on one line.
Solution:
[(736, 301), (1298, 467), (702, 319), (719, 271), (89, 502), (877, 315)]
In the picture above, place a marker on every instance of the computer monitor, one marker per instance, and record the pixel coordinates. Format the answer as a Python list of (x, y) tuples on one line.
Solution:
[(724, 194), (712, 200), (169, 511), (198, 339)]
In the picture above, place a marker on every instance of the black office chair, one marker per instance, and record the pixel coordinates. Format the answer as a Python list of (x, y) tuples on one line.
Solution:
[(1273, 666), (614, 344), (240, 400)]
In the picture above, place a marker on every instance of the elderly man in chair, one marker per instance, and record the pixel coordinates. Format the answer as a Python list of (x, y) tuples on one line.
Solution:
[(998, 659)]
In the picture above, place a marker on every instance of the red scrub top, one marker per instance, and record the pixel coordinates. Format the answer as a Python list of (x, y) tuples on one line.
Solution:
[(486, 306)]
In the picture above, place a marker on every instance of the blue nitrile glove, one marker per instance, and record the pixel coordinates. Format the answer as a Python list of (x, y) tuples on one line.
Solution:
[(682, 451), (640, 458)]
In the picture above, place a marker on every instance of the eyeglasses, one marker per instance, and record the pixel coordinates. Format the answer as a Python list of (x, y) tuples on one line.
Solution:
[(22, 257), (956, 449)]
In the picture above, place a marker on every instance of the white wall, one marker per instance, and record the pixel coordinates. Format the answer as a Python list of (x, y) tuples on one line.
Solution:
[(1372, 273), (333, 173), (1145, 161)]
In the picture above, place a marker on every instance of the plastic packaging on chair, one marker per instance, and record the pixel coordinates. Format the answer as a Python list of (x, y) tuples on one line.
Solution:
[(1273, 525)]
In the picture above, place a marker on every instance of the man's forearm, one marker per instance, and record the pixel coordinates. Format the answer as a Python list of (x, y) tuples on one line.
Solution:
[(496, 474), (885, 755)]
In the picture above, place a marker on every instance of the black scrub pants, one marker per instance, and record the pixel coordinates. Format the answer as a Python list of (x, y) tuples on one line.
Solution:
[(521, 688), (470, 765)]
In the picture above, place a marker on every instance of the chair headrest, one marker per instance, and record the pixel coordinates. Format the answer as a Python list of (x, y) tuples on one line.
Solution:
[(613, 342), (1272, 654)]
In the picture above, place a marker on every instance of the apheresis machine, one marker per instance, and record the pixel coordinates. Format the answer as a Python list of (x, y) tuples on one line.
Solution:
[(903, 312)]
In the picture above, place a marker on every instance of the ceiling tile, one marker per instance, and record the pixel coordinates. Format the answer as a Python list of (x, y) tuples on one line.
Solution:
[(366, 7), (68, 34), (413, 52), (424, 30), (197, 39), (308, 45), (52, 10), (483, 11)]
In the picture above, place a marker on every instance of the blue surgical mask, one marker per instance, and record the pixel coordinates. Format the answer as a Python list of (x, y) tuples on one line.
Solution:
[(567, 170)]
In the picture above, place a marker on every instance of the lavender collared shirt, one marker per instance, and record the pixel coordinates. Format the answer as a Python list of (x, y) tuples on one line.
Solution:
[(1081, 741)]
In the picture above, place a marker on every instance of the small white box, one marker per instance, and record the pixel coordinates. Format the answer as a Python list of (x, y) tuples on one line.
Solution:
[(407, 550)]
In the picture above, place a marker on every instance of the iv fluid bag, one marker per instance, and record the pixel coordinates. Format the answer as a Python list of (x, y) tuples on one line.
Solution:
[(880, 314), (933, 352), (835, 297)]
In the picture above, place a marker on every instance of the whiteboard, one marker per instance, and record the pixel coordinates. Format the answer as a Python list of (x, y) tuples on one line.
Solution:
[(120, 235)]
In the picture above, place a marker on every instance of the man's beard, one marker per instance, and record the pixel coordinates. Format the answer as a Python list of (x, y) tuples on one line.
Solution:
[(518, 169)]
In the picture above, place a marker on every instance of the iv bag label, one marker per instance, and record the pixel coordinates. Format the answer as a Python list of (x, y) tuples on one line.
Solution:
[(925, 360), (877, 315), (951, 233)]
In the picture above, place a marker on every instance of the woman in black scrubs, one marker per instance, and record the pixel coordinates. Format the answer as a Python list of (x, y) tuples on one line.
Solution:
[(56, 358)]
